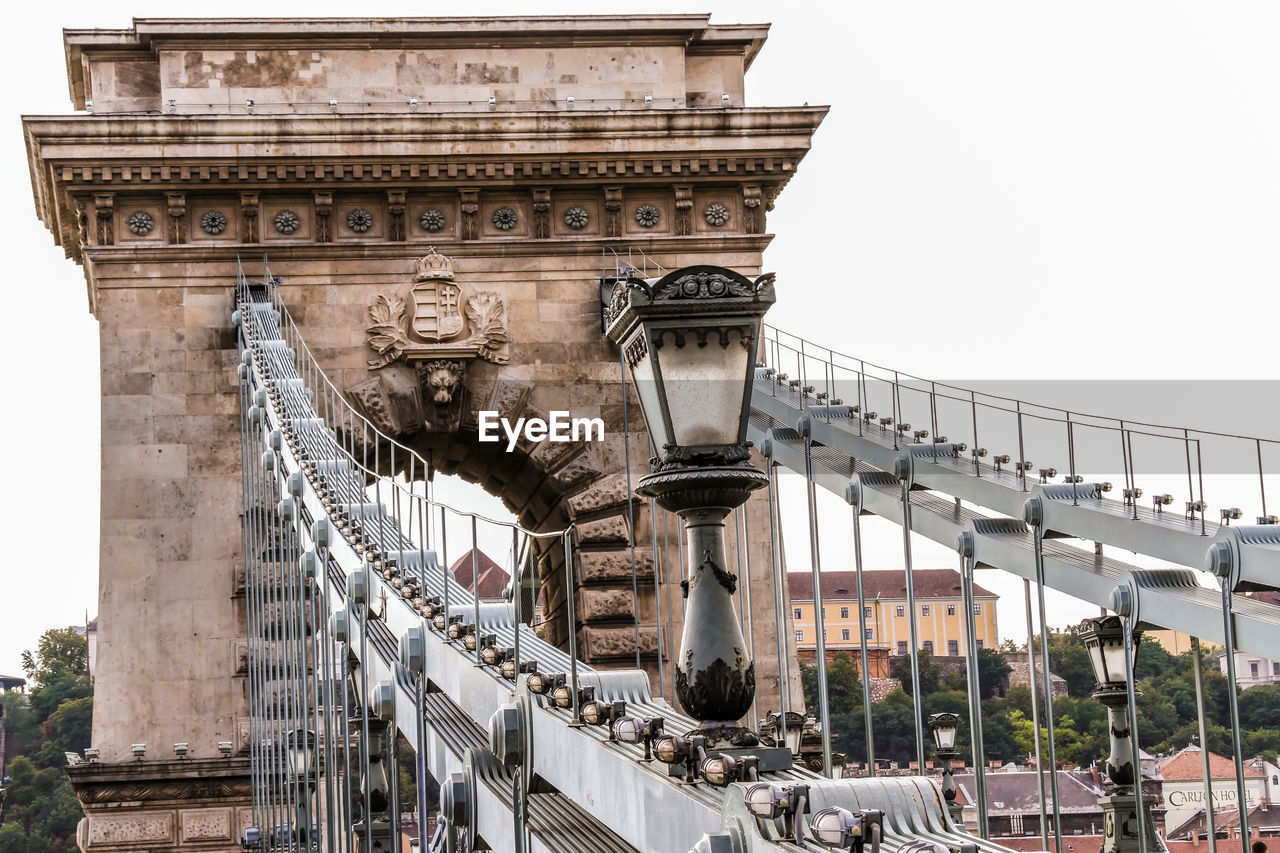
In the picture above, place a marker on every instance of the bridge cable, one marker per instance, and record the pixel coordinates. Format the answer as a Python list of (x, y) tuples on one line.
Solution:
[(815, 566), (1209, 817), (917, 699), (1048, 692), (1035, 713), (975, 694), (867, 717), (1229, 636)]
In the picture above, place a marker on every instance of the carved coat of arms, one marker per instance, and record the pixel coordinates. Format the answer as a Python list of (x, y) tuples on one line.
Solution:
[(441, 324)]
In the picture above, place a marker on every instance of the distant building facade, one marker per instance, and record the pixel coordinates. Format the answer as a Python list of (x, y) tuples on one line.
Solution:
[(1251, 669), (1182, 785), (940, 625)]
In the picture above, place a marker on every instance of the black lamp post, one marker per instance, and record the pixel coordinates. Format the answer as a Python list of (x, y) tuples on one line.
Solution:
[(1104, 639), (944, 727), (690, 339)]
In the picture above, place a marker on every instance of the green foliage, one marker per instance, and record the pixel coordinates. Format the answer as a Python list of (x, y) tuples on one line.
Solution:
[(61, 652), (930, 673), (993, 673), (1260, 707), (844, 690), (41, 811), (1168, 719)]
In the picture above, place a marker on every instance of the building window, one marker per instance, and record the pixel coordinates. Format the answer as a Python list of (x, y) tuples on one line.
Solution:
[(902, 648), (824, 613), (868, 633), (900, 611), (797, 612), (924, 610), (1253, 668), (1275, 668), (977, 610), (799, 636), (979, 643), (866, 611), (953, 647), (824, 635), (844, 634), (928, 646), (844, 613), (951, 610)]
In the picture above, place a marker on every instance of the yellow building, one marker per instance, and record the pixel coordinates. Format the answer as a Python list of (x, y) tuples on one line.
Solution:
[(1174, 642), (940, 621)]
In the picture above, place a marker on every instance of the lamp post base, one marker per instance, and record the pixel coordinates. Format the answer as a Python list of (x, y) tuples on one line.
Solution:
[(1120, 823), (715, 676)]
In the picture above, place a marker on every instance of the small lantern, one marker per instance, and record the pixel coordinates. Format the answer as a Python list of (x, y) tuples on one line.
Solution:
[(300, 748), (944, 728), (1103, 639)]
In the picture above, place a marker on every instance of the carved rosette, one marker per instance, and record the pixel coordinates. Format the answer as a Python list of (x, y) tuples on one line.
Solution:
[(395, 210), (470, 209), (249, 213), (541, 213), (684, 210), (613, 211), (324, 209), (105, 212), (177, 217)]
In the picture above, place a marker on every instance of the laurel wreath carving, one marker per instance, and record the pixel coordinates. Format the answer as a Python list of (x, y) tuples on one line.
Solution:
[(387, 335), (484, 311)]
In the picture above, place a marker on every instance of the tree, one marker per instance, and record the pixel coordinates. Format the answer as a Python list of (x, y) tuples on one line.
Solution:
[(930, 673), (61, 652), (1260, 707), (993, 673), (1069, 660), (844, 690)]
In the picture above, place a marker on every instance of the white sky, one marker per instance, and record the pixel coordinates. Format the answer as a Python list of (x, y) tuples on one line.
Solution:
[(1002, 190)]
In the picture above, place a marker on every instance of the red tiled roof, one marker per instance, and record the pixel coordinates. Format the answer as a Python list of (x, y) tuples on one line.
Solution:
[(1187, 764), (881, 583), (1265, 596), (493, 578)]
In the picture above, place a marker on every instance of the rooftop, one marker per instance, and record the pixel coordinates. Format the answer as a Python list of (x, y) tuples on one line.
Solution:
[(493, 578), (1188, 764), (1016, 792), (881, 583)]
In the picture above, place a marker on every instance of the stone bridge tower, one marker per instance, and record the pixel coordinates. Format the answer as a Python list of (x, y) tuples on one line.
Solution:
[(522, 151)]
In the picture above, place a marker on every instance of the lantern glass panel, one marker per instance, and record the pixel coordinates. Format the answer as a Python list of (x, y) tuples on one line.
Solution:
[(705, 385), (945, 737), (651, 404), (1094, 647), (793, 736), (1113, 654)]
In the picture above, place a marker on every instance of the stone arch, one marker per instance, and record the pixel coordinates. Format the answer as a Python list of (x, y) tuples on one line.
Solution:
[(546, 486)]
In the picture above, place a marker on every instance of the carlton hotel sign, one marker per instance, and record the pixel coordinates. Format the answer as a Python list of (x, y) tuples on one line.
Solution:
[(1184, 798)]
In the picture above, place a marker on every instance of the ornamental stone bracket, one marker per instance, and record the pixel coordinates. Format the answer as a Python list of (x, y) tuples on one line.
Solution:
[(158, 805), (433, 323)]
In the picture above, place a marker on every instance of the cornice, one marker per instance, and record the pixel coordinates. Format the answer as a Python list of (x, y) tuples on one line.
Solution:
[(532, 131), (408, 173), (102, 256)]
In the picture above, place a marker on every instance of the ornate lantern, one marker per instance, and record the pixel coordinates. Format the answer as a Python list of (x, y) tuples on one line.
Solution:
[(690, 339), (944, 727)]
